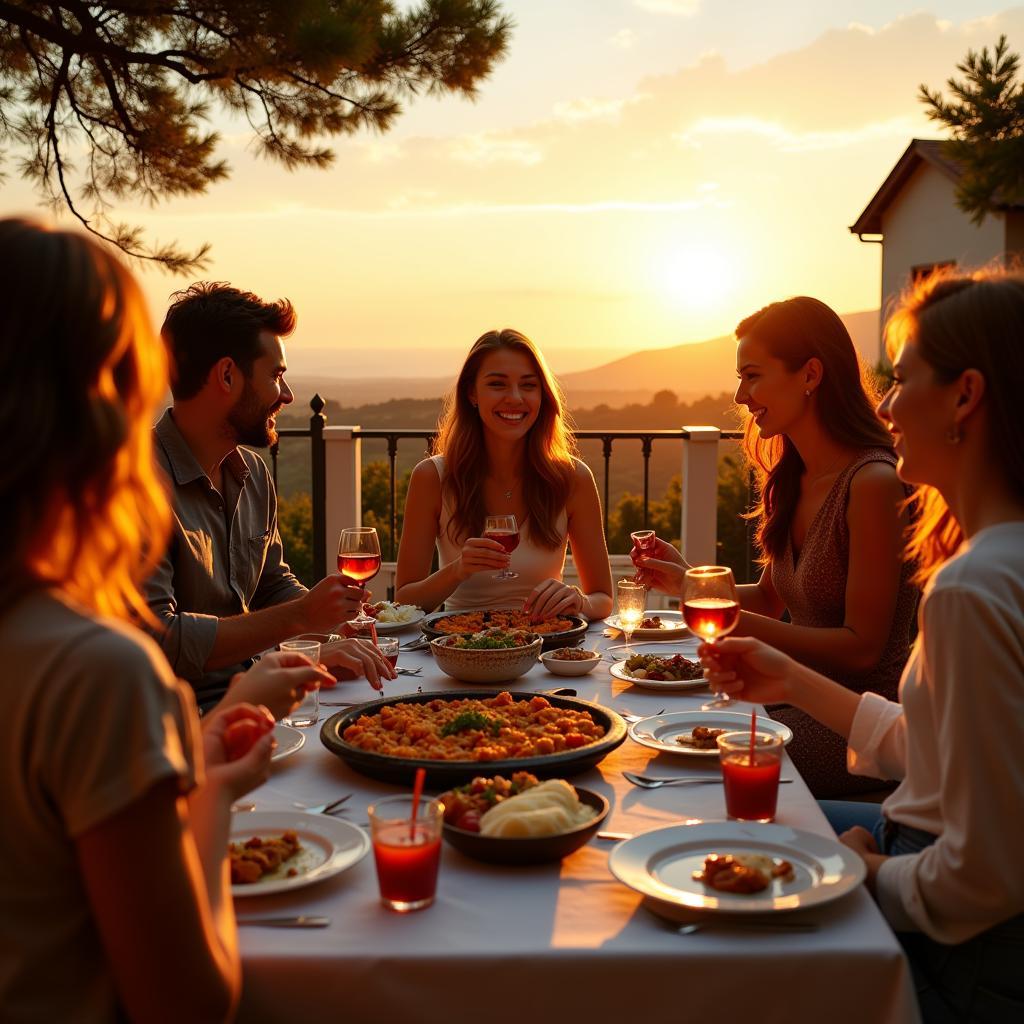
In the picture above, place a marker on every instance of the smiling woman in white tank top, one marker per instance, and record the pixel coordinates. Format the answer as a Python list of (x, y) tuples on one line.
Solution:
[(503, 448)]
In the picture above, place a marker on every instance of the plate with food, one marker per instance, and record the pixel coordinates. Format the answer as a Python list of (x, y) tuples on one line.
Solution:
[(678, 671), (276, 851), (657, 624), (288, 741), (562, 631), (520, 820), (570, 661), (736, 867), (696, 732), (456, 736), (393, 617)]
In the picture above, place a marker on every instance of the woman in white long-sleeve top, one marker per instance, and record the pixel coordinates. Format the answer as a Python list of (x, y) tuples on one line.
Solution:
[(944, 856)]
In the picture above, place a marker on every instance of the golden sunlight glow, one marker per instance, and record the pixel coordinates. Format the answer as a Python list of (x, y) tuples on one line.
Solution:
[(697, 276)]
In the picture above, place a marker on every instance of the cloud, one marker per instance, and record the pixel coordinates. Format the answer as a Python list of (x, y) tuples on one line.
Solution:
[(492, 149), (794, 141), (680, 8), (624, 39), (588, 109)]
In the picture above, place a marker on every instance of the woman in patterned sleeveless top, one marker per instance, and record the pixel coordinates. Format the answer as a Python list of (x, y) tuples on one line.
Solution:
[(503, 448), (830, 521)]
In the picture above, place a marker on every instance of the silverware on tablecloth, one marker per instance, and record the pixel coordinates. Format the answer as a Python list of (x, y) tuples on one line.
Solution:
[(298, 921), (628, 716), (741, 925), (647, 782), (615, 836), (403, 671), (419, 644), (328, 808)]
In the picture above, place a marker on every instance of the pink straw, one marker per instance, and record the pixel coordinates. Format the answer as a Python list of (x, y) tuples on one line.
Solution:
[(417, 792), (753, 735)]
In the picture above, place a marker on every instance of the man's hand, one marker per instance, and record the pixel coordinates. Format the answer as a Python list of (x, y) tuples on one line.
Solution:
[(334, 599), (277, 681), (352, 658)]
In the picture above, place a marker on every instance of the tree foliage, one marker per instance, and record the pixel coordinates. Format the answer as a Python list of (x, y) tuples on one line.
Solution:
[(985, 114), (106, 101)]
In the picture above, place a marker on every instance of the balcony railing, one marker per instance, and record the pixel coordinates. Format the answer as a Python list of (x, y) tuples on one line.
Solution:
[(336, 470)]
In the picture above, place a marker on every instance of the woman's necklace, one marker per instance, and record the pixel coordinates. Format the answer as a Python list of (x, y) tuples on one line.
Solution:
[(831, 468)]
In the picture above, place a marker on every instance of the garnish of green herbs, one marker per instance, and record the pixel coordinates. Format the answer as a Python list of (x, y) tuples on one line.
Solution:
[(472, 720)]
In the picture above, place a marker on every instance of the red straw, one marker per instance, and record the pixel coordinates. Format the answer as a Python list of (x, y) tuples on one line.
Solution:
[(753, 735), (417, 792), (373, 634)]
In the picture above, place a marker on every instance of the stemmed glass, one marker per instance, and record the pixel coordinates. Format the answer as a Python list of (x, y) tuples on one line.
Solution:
[(359, 561), (631, 598), (644, 541), (505, 531), (711, 608)]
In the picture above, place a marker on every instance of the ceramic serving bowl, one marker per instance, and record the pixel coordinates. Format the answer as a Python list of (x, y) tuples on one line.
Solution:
[(474, 665), (565, 667), (530, 849)]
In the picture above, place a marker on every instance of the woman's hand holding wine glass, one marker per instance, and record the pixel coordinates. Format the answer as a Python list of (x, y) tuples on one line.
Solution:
[(503, 530), (711, 608), (659, 565)]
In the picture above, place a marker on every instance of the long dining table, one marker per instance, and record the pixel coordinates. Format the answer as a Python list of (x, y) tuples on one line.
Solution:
[(562, 942)]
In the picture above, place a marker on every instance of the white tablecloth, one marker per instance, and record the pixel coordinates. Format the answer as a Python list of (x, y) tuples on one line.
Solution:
[(561, 942)]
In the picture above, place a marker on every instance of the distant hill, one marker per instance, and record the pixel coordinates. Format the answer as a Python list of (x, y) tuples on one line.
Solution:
[(690, 370)]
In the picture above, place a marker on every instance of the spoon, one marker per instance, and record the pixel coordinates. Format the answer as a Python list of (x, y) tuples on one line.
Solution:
[(771, 926), (300, 921)]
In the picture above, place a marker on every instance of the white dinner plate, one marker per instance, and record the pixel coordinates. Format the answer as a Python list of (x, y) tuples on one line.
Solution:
[(288, 741), (660, 731), (672, 628), (660, 865), (397, 627), (687, 648), (329, 846)]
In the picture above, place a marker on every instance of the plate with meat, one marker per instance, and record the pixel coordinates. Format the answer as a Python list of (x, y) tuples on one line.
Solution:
[(735, 867), (457, 736), (663, 669), (657, 624), (276, 851), (562, 631), (696, 732)]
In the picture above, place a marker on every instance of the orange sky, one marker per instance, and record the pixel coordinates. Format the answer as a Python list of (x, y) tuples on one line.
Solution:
[(637, 174)]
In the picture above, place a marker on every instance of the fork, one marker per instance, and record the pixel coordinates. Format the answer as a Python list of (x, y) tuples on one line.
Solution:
[(329, 808), (299, 921), (770, 926), (403, 671), (628, 716)]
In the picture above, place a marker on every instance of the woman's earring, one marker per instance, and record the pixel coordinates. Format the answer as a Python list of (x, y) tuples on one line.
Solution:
[(953, 435), (808, 392)]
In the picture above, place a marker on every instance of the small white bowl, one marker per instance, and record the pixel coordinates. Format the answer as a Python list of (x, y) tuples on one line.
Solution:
[(576, 667)]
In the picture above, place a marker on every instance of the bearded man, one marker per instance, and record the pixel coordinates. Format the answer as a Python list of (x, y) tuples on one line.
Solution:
[(223, 591)]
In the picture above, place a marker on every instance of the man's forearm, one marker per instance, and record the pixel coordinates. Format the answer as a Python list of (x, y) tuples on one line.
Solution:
[(242, 636)]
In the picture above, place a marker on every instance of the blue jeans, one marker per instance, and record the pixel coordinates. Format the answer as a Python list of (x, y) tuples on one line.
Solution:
[(980, 980)]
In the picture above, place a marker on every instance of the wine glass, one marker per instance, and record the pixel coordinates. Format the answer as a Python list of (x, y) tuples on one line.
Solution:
[(711, 608), (505, 531), (644, 541), (631, 600), (359, 561)]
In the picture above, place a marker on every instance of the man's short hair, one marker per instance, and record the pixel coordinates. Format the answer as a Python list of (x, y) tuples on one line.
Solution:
[(210, 320)]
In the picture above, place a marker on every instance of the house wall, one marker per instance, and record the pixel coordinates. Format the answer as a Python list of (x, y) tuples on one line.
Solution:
[(923, 225)]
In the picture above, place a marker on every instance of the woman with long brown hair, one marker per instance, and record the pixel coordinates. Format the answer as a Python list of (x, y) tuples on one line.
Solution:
[(943, 853), (829, 520), (114, 807), (503, 447)]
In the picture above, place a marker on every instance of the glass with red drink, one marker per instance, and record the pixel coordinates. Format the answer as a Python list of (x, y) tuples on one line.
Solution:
[(750, 773), (644, 541), (359, 561), (711, 608), (388, 647), (407, 852), (504, 530)]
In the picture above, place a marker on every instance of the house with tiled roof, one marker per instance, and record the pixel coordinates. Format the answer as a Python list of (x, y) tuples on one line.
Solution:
[(914, 217)]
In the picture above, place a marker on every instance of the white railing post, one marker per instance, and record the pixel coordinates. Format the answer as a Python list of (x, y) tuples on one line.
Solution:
[(699, 527), (343, 487)]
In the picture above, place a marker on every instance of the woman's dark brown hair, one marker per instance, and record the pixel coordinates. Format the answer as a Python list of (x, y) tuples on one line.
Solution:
[(81, 507), (548, 475), (795, 331)]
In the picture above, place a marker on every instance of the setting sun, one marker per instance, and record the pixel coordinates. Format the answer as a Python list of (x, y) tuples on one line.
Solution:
[(697, 276)]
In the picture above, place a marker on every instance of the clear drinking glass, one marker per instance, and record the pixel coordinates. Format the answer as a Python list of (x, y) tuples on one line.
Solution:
[(631, 598), (308, 712), (505, 531), (711, 608), (359, 560), (644, 541), (388, 647)]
